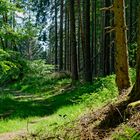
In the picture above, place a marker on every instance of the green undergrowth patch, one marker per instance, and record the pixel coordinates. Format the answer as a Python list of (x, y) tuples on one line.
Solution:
[(47, 104), (132, 73), (53, 104), (127, 133)]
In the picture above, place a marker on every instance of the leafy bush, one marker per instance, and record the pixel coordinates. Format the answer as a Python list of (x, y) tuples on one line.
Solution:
[(12, 66), (39, 67)]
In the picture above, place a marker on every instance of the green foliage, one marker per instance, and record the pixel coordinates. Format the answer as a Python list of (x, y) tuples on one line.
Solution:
[(6, 6), (50, 101), (7, 32), (5, 65), (132, 73), (12, 66), (53, 96), (132, 54), (40, 68), (28, 42), (127, 133), (22, 38)]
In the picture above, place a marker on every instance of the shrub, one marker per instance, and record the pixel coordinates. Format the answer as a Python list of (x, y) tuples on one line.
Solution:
[(12, 66)]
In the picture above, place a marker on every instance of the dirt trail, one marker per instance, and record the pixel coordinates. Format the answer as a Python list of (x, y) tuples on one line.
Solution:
[(12, 135), (21, 133)]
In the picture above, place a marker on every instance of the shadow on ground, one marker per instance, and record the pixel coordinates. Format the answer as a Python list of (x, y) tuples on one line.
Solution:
[(23, 105), (30, 105)]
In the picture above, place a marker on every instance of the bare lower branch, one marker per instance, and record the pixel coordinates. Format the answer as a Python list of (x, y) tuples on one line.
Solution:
[(110, 8), (109, 29)]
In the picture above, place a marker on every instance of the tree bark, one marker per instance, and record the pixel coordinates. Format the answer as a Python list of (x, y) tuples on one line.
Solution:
[(61, 37), (56, 38), (87, 71), (121, 50), (135, 95), (107, 41), (73, 43), (78, 36)]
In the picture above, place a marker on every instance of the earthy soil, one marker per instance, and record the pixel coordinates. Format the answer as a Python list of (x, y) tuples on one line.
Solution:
[(12, 135), (102, 123)]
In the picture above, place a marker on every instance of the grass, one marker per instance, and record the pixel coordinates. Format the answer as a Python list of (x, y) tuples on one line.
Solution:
[(127, 133), (53, 99), (48, 103)]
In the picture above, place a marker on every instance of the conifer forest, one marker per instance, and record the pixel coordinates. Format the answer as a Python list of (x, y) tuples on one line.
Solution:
[(69, 70)]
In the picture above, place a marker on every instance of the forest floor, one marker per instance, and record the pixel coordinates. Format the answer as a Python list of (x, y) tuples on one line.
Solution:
[(51, 108), (114, 121)]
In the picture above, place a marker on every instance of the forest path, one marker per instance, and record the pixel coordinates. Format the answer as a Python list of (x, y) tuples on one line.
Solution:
[(12, 135), (21, 133)]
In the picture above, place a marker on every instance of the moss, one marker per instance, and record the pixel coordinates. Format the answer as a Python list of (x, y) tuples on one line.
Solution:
[(133, 105)]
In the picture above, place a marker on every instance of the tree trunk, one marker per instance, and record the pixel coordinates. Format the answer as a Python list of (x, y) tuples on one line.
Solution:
[(56, 38), (135, 95), (95, 39), (68, 42), (107, 41), (78, 36), (87, 71), (130, 21), (73, 43), (121, 51), (65, 55), (61, 37), (82, 35)]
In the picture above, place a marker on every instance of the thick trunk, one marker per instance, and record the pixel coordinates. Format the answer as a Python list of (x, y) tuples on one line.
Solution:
[(73, 43), (88, 72), (121, 51), (81, 29), (135, 95)]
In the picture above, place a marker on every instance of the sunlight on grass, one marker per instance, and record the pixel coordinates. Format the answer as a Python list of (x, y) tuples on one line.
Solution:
[(12, 125), (55, 106)]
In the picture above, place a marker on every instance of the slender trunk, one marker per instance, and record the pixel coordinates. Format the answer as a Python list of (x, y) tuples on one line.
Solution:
[(61, 37), (107, 41), (65, 54), (92, 39), (5, 20), (68, 44), (78, 38), (73, 43), (130, 21), (95, 40), (56, 38)]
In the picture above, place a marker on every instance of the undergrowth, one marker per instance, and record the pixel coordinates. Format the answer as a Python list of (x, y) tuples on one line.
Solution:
[(44, 103), (127, 133), (53, 99)]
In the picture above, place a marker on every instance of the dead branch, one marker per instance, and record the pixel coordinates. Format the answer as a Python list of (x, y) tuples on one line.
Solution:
[(109, 29), (110, 8)]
